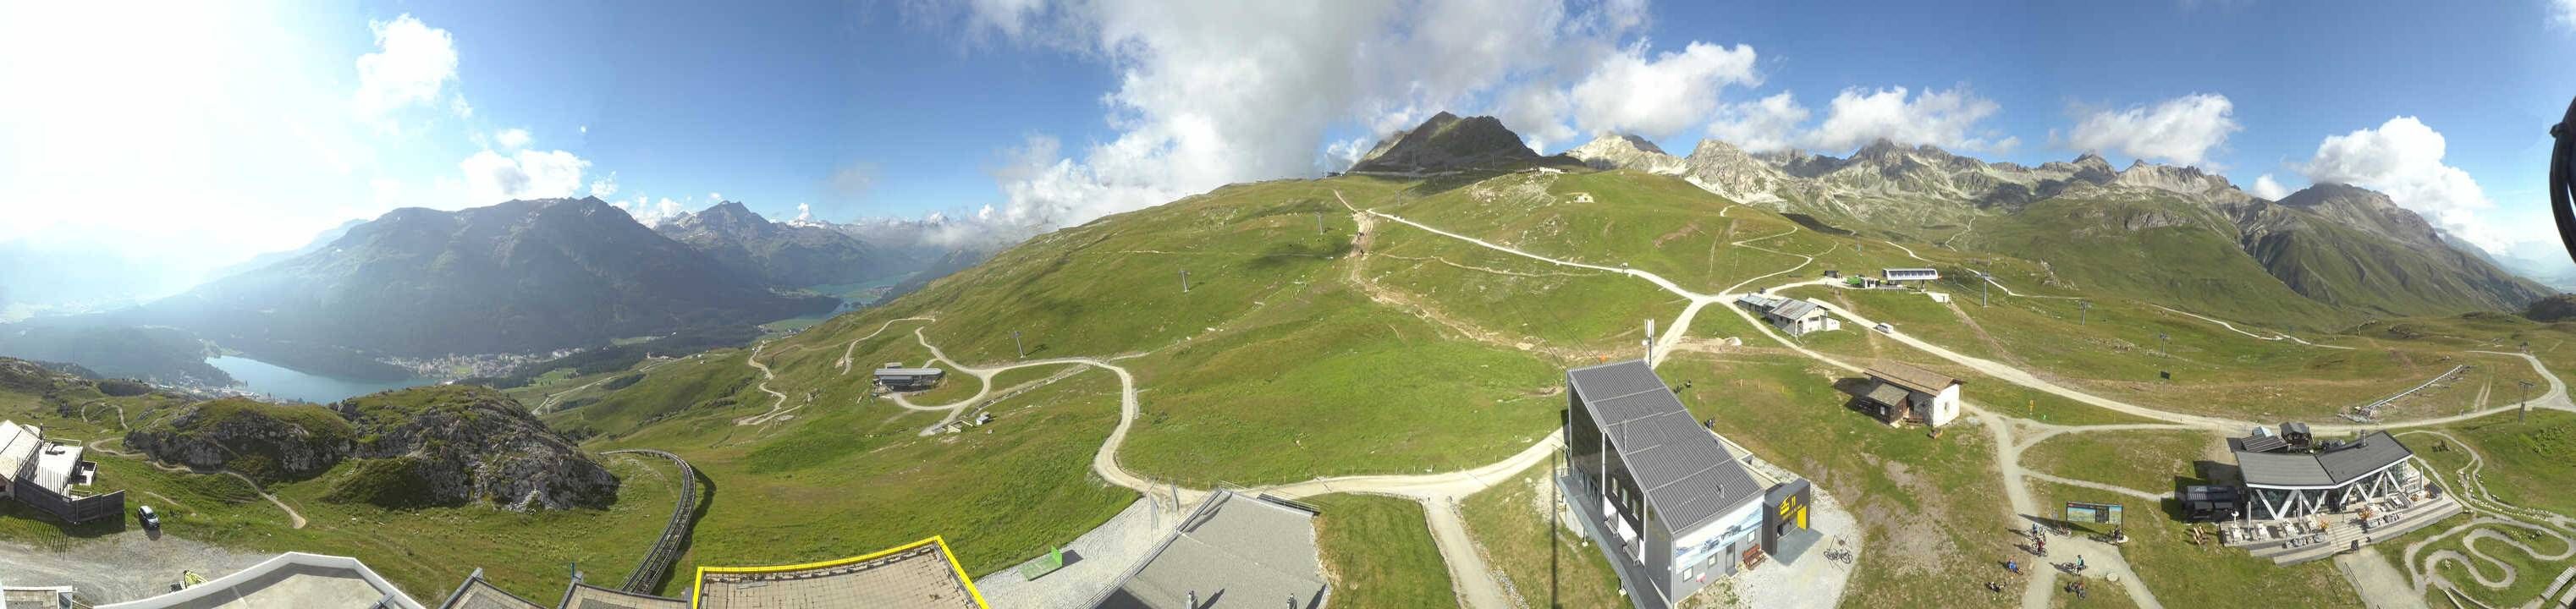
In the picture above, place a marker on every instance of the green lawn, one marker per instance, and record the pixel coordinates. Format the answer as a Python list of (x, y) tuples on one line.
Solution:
[(1378, 552), (2147, 460), (847, 478), (2120, 348)]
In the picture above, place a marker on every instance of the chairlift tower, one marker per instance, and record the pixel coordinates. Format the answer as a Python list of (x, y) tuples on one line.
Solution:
[(2526, 402)]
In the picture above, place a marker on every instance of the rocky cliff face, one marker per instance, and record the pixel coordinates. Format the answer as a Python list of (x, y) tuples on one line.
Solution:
[(443, 445), (465, 444), (1446, 143), (268, 442), (1627, 152)]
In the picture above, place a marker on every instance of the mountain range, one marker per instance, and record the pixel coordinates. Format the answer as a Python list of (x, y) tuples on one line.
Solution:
[(2346, 247), (517, 277)]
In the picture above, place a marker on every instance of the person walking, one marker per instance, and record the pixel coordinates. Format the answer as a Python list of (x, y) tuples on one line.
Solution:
[(2079, 563)]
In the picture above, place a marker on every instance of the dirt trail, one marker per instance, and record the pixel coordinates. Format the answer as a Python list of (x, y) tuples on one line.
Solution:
[(294, 519)]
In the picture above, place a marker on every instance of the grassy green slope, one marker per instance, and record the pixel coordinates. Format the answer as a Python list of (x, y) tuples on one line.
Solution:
[(1378, 552), (2161, 250)]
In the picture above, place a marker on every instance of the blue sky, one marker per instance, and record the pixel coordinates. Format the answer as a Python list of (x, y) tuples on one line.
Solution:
[(168, 144)]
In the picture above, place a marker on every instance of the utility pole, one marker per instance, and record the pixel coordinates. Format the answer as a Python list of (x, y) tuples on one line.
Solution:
[(2167, 348), (2083, 312), (1015, 344), (1319, 222), (2526, 402), (1185, 281), (1984, 288)]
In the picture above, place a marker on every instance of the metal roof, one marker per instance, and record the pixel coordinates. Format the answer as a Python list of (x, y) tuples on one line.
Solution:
[(2376, 451), (910, 372), (1912, 378), (1688, 476), (1798, 309), (55, 466), (1910, 272), (1760, 301), (1889, 394), (2263, 444)]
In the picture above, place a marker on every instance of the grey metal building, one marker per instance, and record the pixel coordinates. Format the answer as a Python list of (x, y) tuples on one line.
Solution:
[(1665, 499), (895, 376), (2295, 484)]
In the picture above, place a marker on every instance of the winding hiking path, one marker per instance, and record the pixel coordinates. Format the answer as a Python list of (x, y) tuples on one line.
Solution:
[(2232, 328), (294, 519), (844, 363), (777, 409)]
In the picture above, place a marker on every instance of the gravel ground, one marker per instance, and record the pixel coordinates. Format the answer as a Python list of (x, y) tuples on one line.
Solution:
[(1106, 553), (118, 568)]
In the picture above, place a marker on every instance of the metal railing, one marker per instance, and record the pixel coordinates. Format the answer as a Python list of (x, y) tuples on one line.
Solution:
[(666, 550)]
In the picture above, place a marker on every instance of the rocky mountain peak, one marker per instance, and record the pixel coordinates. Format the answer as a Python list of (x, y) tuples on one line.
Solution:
[(1626, 151), (2365, 209), (2183, 180), (1445, 142)]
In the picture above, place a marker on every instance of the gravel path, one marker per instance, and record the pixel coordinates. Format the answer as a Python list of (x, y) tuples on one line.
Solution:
[(121, 567)]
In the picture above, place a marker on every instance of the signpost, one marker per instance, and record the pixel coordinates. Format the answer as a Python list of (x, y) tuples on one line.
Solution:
[(2094, 513)]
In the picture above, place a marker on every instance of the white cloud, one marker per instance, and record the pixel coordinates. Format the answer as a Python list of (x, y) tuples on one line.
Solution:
[(1215, 93), (2403, 158), (651, 214), (412, 62), (715, 197), (2181, 130), (584, 129), (528, 174), (2563, 13), (458, 106), (2266, 187), (1629, 94), (804, 213), (605, 186), (1534, 110), (511, 139), (1948, 119), (1760, 126)]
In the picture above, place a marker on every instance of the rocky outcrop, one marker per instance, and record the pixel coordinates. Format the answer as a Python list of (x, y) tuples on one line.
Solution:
[(268, 442), (1627, 152), (443, 445), (1446, 143), (467, 444)]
